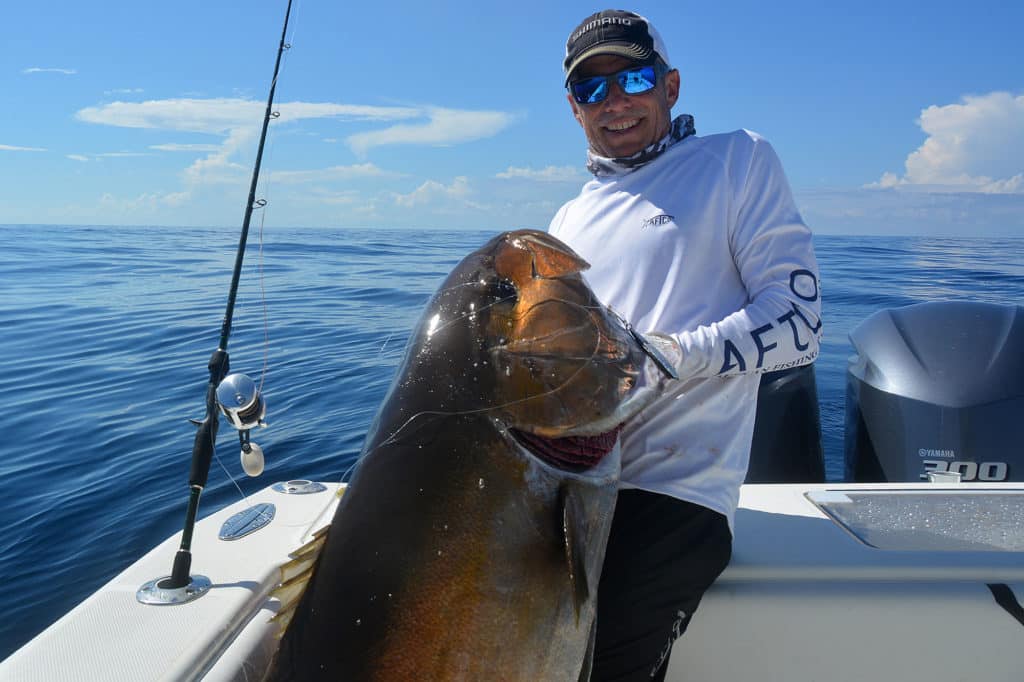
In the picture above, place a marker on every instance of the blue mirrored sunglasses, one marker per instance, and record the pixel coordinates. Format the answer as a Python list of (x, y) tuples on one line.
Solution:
[(633, 81)]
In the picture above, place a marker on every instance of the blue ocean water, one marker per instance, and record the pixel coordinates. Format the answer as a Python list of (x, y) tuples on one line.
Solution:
[(105, 333)]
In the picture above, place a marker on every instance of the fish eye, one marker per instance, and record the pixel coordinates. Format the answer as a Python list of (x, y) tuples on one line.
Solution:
[(505, 291)]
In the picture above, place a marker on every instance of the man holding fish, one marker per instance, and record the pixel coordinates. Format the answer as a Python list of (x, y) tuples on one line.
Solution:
[(696, 241), (470, 541)]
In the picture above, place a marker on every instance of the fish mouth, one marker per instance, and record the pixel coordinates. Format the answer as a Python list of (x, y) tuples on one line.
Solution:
[(583, 447), (569, 453)]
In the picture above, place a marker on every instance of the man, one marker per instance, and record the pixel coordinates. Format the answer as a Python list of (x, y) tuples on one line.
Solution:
[(697, 241)]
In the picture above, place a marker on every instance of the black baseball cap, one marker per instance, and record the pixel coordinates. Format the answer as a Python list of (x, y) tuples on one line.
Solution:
[(613, 31)]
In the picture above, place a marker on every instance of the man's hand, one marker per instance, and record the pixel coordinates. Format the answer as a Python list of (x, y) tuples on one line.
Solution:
[(664, 350)]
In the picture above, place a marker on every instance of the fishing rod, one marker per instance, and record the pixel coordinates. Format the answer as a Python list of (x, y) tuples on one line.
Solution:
[(239, 400)]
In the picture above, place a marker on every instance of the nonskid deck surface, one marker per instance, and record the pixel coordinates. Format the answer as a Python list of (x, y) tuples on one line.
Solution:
[(803, 598), (111, 636)]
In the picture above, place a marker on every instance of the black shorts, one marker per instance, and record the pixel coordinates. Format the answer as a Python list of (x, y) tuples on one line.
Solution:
[(662, 555)]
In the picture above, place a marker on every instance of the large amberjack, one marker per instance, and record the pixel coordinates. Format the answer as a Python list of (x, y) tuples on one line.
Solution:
[(469, 543)]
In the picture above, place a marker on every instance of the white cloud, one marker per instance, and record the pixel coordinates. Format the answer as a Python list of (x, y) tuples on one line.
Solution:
[(175, 198), (145, 202), (118, 155), (887, 181), (911, 210), (226, 116), (105, 155), (173, 147), (348, 197), (546, 174), (294, 111), (362, 170), (15, 148), (211, 116), (443, 127), (237, 122), (219, 116), (431, 192), (218, 168), (976, 145), (37, 69)]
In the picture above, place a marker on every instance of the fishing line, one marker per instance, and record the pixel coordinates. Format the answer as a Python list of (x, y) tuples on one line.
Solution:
[(471, 313), (263, 300), (265, 184), (204, 445), (245, 498), (601, 336), (385, 344)]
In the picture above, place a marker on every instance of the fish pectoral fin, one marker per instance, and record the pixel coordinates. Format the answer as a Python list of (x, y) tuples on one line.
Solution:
[(573, 534)]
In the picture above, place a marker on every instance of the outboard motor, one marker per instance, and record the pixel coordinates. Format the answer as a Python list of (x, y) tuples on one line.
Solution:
[(937, 387), (787, 431)]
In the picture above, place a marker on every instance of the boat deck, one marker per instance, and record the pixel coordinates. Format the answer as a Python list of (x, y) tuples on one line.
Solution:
[(803, 599)]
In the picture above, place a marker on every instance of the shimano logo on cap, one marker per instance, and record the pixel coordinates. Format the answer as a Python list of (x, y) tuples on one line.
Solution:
[(597, 23)]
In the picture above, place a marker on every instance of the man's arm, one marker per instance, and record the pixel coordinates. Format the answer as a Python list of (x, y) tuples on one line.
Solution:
[(780, 326)]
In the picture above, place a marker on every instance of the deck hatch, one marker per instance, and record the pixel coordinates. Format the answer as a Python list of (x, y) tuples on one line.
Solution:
[(247, 521), (934, 520)]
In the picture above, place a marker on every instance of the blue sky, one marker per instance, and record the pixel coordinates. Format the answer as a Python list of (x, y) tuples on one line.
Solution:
[(890, 117)]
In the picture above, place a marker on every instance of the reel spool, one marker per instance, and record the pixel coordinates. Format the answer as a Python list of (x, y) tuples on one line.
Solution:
[(241, 402)]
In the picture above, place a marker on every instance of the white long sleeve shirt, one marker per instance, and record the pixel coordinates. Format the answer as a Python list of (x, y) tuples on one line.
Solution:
[(704, 243)]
